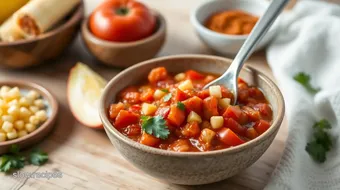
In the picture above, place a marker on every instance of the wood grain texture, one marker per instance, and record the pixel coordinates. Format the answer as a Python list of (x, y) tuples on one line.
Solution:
[(86, 157)]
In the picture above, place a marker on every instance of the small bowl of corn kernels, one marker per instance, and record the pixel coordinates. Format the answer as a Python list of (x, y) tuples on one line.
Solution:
[(27, 114)]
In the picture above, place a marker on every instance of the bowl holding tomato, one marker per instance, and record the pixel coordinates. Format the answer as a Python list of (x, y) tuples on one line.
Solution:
[(122, 33), (161, 120)]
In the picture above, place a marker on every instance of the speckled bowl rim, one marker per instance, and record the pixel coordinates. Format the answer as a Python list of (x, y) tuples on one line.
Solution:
[(275, 126), (76, 17), (46, 94), (160, 30)]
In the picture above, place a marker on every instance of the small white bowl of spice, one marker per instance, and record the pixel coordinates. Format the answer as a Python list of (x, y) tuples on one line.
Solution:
[(27, 113)]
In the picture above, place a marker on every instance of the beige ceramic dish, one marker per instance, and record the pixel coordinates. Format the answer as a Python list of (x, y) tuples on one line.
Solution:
[(125, 54), (26, 53), (37, 135), (191, 168)]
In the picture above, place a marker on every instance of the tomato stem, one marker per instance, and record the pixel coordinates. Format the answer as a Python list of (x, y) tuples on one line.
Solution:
[(122, 11)]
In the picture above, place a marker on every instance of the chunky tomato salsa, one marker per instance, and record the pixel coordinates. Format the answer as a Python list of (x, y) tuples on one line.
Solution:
[(175, 113)]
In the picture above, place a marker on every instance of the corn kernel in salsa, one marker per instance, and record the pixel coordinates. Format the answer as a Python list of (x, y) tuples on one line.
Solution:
[(173, 112)]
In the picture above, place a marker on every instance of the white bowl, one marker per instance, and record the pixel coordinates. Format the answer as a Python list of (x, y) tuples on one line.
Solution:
[(224, 44)]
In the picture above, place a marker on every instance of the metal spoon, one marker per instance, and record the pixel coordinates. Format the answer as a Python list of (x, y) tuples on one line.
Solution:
[(229, 78)]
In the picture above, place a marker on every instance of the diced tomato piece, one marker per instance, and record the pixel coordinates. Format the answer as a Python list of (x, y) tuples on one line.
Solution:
[(243, 95), (147, 95), (125, 118), (133, 130), (130, 95), (193, 104), (180, 145), (176, 116), (194, 75), (115, 109), (149, 140), (233, 112), (210, 107), (180, 95), (265, 110), (157, 74), (228, 137), (256, 93), (251, 133), (233, 125), (252, 114), (226, 93), (203, 94), (208, 79), (165, 83), (261, 126), (240, 81), (163, 111), (135, 108), (191, 130)]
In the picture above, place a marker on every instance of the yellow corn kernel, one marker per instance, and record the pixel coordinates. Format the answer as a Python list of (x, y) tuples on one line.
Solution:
[(8, 118), (158, 94), (2, 137), (13, 111), (13, 103), (41, 115), (207, 135), (33, 109), (30, 127), (1, 112), (24, 102), (39, 103), (4, 90), (32, 95), (13, 94), (180, 77), (215, 91), (224, 103), (186, 85), (22, 133), (3, 105), (34, 120), (24, 113), (12, 135), (216, 122), (193, 116), (148, 109), (19, 124), (7, 126)]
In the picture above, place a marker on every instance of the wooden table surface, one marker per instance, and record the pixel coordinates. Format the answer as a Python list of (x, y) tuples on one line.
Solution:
[(86, 157)]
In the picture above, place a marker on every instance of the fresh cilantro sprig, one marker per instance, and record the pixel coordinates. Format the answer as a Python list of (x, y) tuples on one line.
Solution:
[(322, 141), (155, 126), (38, 157), (167, 97), (181, 106), (304, 80), (14, 160)]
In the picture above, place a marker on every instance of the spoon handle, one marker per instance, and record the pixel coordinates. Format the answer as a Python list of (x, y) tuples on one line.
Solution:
[(257, 33)]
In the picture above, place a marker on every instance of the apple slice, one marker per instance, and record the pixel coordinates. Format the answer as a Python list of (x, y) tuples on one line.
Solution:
[(84, 88)]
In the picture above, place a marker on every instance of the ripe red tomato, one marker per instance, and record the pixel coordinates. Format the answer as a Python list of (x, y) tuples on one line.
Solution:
[(122, 21)]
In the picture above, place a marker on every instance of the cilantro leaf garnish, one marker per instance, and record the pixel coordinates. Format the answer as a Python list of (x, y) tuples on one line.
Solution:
[(304, 80), (165, 90), (321, 143), (38, 157), (167, 97), (181, 106), (155, 126)]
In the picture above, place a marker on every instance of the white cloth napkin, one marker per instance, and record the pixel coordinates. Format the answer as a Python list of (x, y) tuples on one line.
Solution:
[(309, 41)]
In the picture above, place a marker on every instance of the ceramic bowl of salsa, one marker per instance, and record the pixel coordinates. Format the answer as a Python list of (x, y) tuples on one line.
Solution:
[(161, 120), (238, 17)]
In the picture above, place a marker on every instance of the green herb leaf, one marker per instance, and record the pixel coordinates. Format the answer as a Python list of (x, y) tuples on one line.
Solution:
[(181, 106), (316, 151), (304, 80), (9, 162), (322, 141), (165, 90), (156, 126), (38, 157), (322, 124), (167, 97)]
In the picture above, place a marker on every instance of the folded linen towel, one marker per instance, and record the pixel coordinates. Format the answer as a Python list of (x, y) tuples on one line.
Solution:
[(309, 41)]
